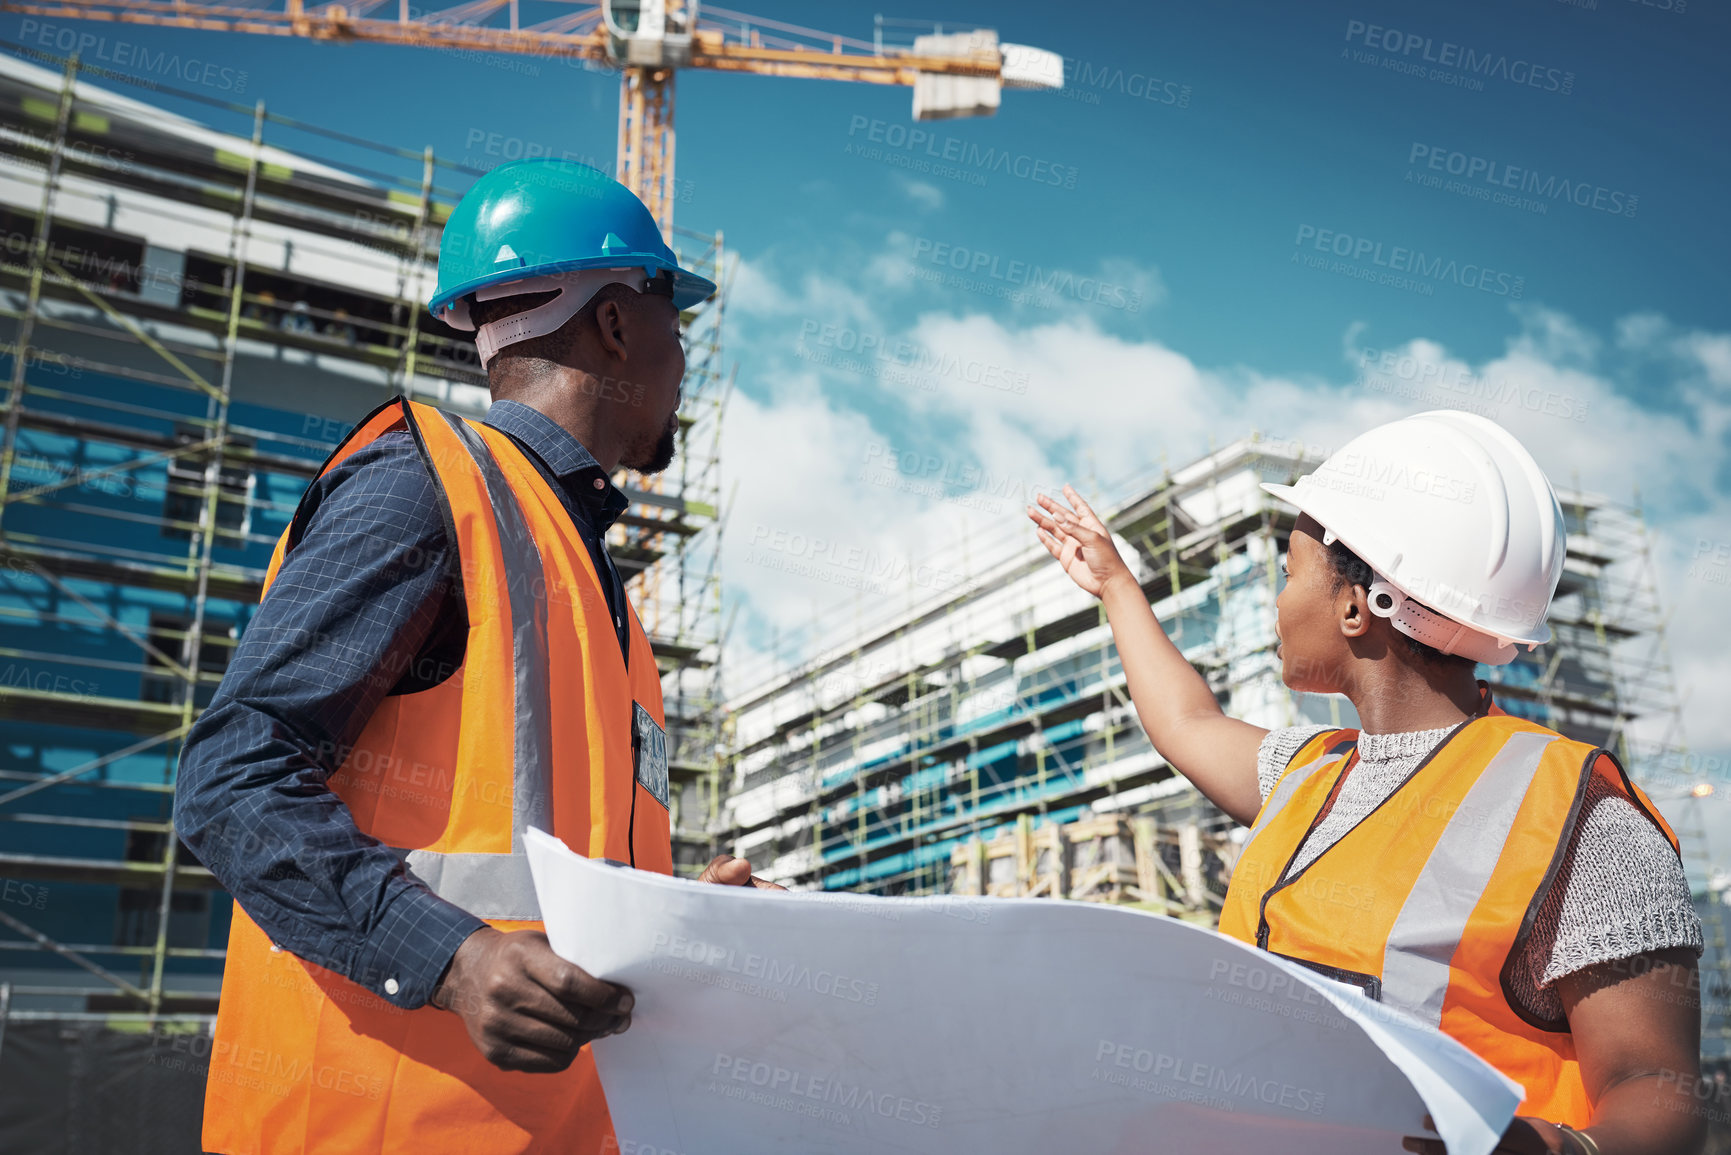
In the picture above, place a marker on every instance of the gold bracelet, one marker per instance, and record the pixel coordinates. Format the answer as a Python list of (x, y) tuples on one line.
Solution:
[(1587, 1144)]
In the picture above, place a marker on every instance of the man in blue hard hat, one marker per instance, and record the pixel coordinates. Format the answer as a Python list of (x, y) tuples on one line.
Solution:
[(432, 670)]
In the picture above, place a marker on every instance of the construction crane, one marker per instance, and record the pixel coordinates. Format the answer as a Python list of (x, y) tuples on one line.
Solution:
[(952, 74)]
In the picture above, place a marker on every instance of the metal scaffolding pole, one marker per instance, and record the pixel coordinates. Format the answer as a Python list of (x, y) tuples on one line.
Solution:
[(38, 255), (217, 415), (138, 588)]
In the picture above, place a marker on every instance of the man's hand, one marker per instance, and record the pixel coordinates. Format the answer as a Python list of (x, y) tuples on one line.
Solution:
[(525, 1008), (727, 870)]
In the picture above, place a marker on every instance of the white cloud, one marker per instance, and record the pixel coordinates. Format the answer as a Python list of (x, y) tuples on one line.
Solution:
[(926, 195), (866, 468)]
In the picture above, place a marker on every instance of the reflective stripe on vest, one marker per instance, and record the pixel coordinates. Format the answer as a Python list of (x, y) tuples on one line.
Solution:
[(500, 885), (1428, 930), (455, 773), (1429, 899), (1289, 783)]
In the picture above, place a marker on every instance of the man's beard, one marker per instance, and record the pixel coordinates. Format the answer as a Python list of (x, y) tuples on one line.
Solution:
[(659, 456)]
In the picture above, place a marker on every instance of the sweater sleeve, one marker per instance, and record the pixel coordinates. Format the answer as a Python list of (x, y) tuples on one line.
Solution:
[(1277, 749), (1620, 892)]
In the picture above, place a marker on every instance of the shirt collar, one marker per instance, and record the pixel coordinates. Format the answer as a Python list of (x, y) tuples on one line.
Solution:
[(565, 457)]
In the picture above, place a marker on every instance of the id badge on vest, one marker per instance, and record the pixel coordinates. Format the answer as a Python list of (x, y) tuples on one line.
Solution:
[(649, 741)]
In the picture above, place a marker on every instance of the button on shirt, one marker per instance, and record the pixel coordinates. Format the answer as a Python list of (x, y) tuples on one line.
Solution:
[(365, 605)]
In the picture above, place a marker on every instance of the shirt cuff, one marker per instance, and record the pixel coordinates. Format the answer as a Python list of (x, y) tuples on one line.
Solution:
[(410, 947)]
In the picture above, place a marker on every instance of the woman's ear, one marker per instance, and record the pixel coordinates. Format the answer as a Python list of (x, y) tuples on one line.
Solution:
[(1353, 610)]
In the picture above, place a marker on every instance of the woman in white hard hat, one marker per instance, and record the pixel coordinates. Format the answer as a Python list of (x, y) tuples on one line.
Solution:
[(1506, 884)]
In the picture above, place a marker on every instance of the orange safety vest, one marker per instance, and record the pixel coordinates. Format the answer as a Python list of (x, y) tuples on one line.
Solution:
[(1428, 901), (305, 1060)]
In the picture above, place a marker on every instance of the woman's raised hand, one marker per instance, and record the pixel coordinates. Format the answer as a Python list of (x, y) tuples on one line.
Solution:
[(1079, 540)]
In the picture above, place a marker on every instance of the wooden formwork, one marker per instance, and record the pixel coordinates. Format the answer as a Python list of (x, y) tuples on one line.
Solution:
[(1026, 863), (1103, 860), (1106, 858)]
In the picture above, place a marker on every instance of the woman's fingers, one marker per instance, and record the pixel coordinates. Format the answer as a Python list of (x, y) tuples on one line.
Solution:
[(1055, 507), (1061, 531), (1050, 542), (1084, 510), (1054, 511), (1061, 546), (1068, 555), (1056, 523), (1056, 526)]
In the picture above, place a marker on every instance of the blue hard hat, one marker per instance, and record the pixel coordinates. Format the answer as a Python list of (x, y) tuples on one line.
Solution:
[(532, 218)]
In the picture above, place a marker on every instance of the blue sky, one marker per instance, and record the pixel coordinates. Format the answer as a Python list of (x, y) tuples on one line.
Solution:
[(1277, 130), (1248, 196)]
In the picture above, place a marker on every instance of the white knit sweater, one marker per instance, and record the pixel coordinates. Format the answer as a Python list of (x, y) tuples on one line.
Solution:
[(1620, 891)]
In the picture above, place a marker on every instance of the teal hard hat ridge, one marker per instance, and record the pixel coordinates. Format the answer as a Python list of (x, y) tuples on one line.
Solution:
[(533, 218)]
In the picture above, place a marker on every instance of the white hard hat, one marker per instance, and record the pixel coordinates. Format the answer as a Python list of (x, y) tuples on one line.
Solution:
[(1451, 512)]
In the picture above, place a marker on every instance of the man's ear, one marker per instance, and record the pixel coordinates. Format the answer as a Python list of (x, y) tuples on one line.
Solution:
[(610, 328)]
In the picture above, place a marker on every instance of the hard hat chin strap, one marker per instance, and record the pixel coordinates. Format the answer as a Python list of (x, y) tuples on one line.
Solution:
[(575, 289)]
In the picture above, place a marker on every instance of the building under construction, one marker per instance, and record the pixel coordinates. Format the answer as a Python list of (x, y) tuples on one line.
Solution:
[(983, 742), (198, 300)]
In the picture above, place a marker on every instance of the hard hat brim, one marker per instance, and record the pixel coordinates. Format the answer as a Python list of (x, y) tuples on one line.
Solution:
[(1284, 493), (689, 289)]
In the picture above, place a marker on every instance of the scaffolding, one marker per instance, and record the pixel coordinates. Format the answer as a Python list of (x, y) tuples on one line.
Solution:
[(951, 722), (193, 316), (983, 741)]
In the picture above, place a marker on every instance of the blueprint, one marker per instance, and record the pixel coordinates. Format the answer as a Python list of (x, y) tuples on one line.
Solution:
[(823, 1024)]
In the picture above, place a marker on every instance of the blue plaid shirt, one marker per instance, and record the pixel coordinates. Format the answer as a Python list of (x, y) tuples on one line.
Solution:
[(364, 606)]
